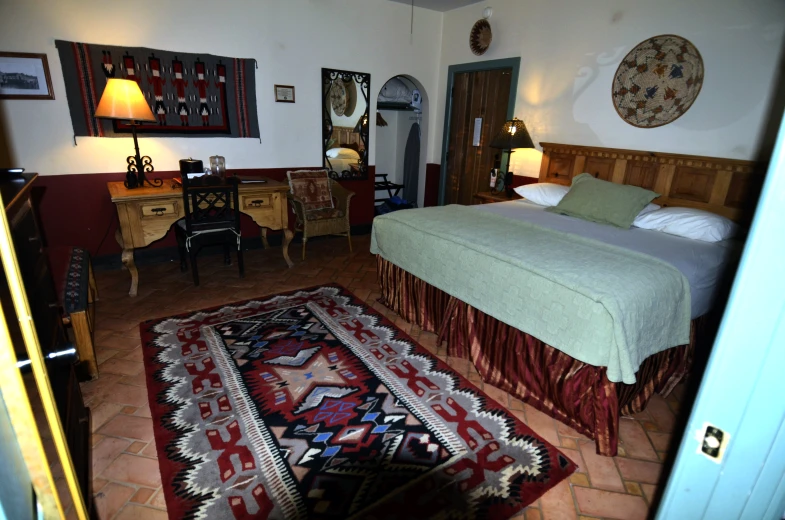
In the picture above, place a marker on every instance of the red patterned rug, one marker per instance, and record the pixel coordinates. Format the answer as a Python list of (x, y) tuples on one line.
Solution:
[(310, 404)]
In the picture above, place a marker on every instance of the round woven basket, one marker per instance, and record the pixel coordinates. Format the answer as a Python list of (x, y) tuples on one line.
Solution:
[(657, 81), (480, 37)]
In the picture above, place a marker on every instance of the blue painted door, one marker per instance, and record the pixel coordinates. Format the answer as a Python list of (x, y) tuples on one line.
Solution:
[(742, 392)]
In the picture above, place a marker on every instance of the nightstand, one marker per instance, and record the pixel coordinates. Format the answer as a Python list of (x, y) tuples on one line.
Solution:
[(489, 197)]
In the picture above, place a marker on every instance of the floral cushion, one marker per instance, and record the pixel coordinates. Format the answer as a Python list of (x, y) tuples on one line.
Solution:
[(313, 187), (322, 214)]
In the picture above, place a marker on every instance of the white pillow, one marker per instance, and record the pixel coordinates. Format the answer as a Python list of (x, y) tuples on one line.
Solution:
[(543, 193), (549, 194), (689, 223), (342, 153), (648, 208)]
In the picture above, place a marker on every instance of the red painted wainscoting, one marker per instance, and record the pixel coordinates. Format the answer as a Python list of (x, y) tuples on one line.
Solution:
[(519, 180), (433, 173), (75, 210)]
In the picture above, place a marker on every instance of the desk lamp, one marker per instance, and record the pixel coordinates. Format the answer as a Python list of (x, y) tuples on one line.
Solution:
[(123, 99)]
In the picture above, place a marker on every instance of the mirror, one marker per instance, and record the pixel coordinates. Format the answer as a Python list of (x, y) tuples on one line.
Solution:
[(345, 123)]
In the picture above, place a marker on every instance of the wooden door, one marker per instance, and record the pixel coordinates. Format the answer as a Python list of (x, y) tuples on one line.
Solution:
[(482, 94)]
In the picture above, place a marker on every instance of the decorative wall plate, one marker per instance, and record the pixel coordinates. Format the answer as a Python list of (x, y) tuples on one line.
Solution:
[(343, 97), (480, 37), (657, 81)]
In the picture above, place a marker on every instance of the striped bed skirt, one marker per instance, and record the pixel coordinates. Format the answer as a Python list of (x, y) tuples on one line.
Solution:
[(570, 391)]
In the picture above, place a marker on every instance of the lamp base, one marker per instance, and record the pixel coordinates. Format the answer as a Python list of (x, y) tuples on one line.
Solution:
[(139, 166), (136, 177)]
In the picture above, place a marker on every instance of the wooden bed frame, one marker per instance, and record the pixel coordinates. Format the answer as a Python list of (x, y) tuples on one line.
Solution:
[(577, 394), (344, 135), (728, 187)]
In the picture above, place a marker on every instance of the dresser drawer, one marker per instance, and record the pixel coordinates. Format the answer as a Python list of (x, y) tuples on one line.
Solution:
[(160, 209), (256, 201)]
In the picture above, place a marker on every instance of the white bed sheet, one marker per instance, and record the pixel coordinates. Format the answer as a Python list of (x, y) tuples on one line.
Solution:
[(705, 264)]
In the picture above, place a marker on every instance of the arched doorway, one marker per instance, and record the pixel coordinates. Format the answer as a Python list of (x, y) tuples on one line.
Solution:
[(401, 137)]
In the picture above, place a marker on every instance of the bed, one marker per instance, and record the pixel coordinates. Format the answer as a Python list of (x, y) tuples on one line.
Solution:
[(339, 154), (504, 306)]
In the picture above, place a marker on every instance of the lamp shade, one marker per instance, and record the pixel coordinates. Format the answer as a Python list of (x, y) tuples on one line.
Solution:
[(513, 135), (123, 99)]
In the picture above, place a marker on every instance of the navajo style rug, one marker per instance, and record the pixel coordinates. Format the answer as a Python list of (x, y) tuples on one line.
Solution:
[(312, 405)]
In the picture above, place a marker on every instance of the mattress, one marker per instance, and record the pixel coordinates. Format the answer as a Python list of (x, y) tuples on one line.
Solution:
[(600, 303), (705, 265)]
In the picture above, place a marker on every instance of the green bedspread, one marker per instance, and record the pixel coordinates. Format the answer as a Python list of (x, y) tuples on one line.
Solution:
[(601, 304)]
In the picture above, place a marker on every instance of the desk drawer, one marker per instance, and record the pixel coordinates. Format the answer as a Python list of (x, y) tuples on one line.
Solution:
[(160, 209), (256, 201)]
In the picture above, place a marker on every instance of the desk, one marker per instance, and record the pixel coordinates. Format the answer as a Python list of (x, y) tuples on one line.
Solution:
[(146, 214)]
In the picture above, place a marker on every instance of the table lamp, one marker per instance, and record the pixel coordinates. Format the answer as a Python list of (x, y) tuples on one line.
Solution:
[(512, 135), (123, 99)]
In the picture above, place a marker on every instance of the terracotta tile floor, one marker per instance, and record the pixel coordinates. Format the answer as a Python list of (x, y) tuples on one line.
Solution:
[(126, 480)]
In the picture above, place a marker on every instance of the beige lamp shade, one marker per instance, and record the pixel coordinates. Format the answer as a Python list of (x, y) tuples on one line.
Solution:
[(123, 99)]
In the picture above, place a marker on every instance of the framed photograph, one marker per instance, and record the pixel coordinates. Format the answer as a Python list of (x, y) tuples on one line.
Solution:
[(284, 94), (25, 76)]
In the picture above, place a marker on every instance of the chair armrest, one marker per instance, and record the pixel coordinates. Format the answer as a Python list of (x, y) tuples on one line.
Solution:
[(342, 196), (297, 205)]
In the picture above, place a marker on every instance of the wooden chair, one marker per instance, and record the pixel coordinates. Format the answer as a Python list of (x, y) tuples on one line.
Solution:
[(77, 292), (210, 214), (320, 205)]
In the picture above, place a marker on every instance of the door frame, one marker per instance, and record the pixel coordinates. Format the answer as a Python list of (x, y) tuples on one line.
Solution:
[(452, 70)]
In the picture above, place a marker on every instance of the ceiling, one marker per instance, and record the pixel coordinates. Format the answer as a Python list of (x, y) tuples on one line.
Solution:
[(439, 5)]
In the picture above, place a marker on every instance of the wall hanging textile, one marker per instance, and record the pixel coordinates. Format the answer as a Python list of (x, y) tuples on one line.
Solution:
[(657, 81), (192, 95)]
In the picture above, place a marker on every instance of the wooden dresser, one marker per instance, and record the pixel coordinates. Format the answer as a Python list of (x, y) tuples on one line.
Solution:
[(44, 307)]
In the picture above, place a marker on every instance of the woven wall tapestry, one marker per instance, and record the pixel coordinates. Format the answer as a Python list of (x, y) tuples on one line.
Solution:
[(192, 95), (657, 81)]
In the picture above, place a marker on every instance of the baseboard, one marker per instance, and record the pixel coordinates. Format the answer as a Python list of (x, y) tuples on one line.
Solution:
[(158, 255)]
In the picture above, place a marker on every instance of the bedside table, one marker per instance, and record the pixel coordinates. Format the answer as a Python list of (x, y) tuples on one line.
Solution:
[(489, 197)]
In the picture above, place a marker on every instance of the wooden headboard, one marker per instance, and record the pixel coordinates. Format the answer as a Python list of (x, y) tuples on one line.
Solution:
[(728, 187), (345, 135)]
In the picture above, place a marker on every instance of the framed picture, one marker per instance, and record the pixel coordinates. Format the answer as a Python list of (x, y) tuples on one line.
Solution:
[(25, 76), (284, 94)]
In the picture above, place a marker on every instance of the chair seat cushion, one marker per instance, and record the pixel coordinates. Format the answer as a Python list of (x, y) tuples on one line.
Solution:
[(70, 270), (323, 214)]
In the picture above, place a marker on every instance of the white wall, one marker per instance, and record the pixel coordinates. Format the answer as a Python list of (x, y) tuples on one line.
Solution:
[(570, 51), (387, 144), (291, 40)]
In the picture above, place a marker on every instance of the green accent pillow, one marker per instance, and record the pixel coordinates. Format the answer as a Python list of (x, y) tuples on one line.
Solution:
[(604, 202)]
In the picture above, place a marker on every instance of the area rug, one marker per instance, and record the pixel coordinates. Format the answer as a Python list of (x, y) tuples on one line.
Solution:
[(310, 404)]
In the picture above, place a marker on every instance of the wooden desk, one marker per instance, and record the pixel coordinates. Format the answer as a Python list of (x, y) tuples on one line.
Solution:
[(146, 214)]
